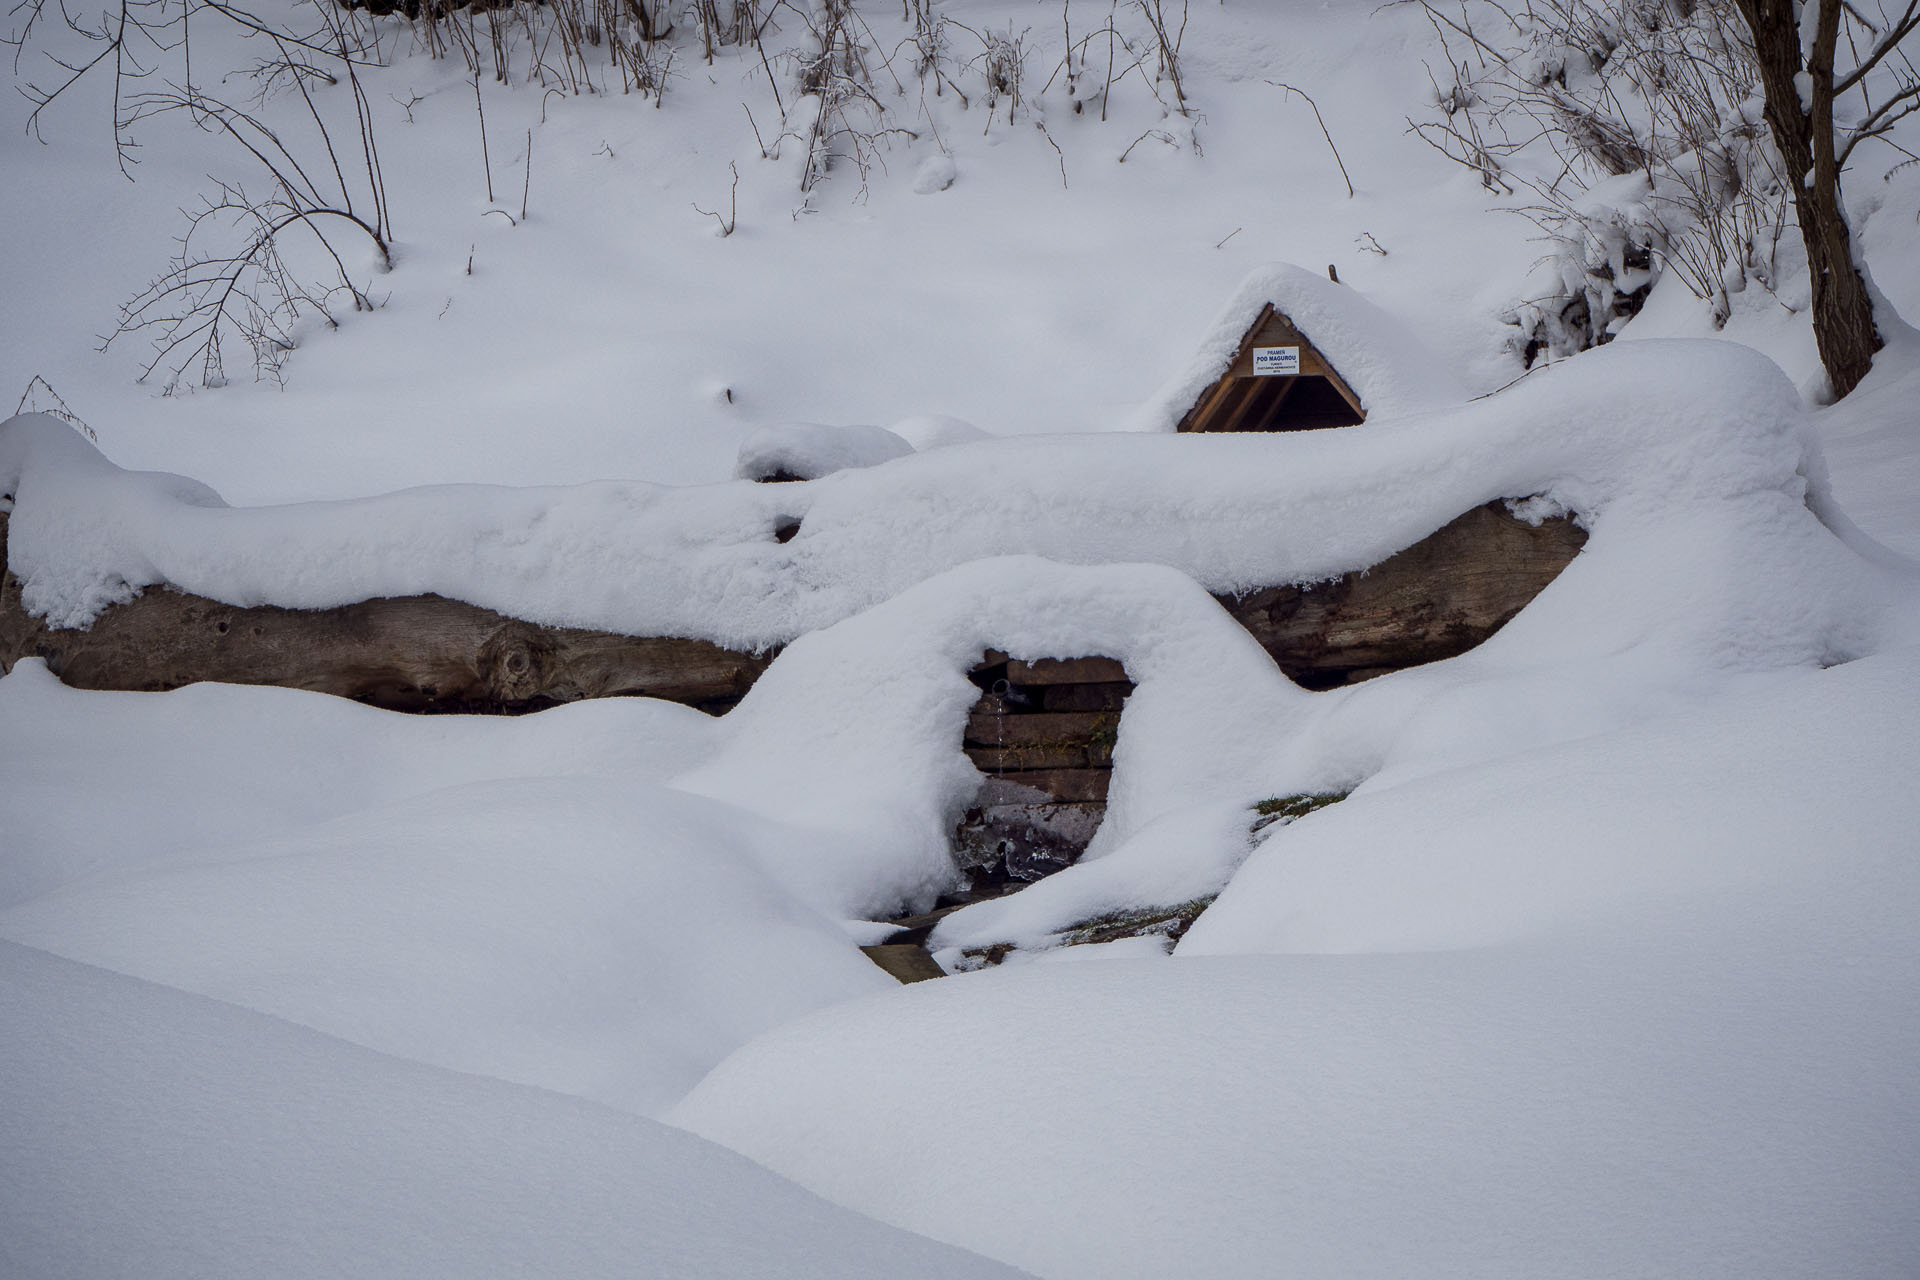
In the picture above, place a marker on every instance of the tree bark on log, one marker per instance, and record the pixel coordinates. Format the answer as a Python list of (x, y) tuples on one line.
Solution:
[(1438, 598), (416, 653), (1435, 599)]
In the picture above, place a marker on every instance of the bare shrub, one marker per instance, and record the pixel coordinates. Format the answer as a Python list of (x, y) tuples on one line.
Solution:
[(844, 119), (231, 279), (1631, 129), (255, 258)]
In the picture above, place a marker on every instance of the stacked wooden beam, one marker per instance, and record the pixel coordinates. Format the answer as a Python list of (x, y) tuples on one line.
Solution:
[(1043, 733), (1050, 725)]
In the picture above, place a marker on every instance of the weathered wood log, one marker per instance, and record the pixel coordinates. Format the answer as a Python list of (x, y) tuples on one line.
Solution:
[(418, 653), (1438, 598), (1435, 599)]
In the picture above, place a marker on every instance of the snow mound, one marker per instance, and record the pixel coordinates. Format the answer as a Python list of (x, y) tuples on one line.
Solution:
[(809, 450), (857, 727), (150, 1133), (601, 939), (1389, 368), (105, 783), (518, 897), (1463, 1115), (936, 173), (1675, 1038), (1551, 840), (937, 431)]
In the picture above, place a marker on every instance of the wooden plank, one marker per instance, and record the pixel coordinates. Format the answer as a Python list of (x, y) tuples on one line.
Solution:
[(907, 962), (1109, 696), (1224, 406), (1242, 363), (1065, 671), (1064, 784), (986, 729), (1206, 408), (1273, 329), (1042, 755), (1347, 393), (1274, 405)]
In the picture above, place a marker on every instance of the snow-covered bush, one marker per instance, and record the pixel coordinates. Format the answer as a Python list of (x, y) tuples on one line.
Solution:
[(1632, 132)]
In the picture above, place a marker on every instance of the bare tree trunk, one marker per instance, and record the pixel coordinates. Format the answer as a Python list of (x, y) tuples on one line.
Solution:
[(1843, 326)]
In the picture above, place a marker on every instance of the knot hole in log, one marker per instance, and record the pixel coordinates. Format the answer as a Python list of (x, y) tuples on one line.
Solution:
[(517, 661)]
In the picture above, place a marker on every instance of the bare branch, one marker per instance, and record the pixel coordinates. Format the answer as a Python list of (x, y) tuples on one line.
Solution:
[(1323, 132), (1898, 30)]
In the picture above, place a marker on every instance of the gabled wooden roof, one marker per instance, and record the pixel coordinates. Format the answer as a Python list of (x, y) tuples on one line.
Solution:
[(1247, 399)]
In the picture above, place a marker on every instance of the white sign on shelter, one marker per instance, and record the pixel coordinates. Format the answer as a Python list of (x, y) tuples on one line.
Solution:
[(1274, 362)]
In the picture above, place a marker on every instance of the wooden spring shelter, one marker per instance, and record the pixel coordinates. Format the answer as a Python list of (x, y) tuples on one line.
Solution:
[(1277, 381)]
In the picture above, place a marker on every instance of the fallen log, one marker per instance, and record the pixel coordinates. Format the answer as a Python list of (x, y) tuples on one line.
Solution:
[(1435, 599), (416, 653), (1438, 598)]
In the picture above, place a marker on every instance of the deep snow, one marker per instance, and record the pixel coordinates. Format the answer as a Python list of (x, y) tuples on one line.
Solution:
[(1640, 1004), (150, 1133), (1606, 965)]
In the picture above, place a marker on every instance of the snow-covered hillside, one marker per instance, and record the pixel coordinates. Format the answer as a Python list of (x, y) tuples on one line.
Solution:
[(1604, 964)]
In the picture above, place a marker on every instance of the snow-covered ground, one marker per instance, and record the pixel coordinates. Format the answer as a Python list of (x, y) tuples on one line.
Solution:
[(1606, 966)]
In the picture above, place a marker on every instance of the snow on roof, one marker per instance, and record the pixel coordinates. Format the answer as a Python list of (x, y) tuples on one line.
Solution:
[(1391, 370)]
